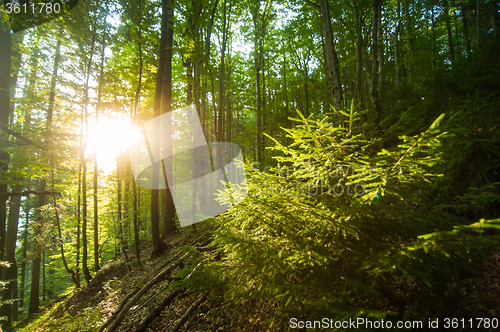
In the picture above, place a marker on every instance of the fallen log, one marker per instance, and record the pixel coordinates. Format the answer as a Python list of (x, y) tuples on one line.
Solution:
[(159, 308), (120, 307), (163, 304), (188, 312), (121, 313)]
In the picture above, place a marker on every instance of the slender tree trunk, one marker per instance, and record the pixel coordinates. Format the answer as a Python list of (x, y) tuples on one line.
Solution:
[(222, 73), (381, 77), (17, 42), (85, 268), (463, 9), (257, 68), (396, 48), (136, 228), (123, 245), (158, 245), (198, 57), (222, 70), (358, 91), (60, 239), (305, 78), (263, 106), (39, 224), (477, 23), (168, 208), (96, 171), (375, 63), (409, 40), (207, 66), (433, 37), (332, 60), (136, 112), (23, 262), (448, 30), (15, 298), (78, 216), (285, 90), (494, 17), (16, 200), (44, 284), (9, 274), (5, 71), (457, 36), (126, 212)]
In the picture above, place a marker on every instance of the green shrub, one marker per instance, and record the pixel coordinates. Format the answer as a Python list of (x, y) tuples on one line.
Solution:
[(388, 252)]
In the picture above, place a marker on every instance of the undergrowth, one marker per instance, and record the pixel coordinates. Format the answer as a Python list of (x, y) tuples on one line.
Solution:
[(346, 226)]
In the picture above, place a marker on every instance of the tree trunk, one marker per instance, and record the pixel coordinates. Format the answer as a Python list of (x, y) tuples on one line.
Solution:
[(23, 262), (78, 217), (9, 274), (85, 268), (44, 285), (17, 42), (381, 77), (96, 173), (126, 199), (168, 208), (332, 60), (433, 37), (396, 48), (477, 23), (494, 17), (207, 66), (222, 72), (457, 36), (123, 244), (285, 90), (134, 113), (358, 91), (448, 30), (5, 71), (375, 56), (257, 68), (409, 38), (197, 61), (158, 245), (39, 243), (60, 239), (463, 9)]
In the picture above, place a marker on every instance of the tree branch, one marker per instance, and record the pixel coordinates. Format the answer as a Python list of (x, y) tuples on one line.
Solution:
[(19, 136)]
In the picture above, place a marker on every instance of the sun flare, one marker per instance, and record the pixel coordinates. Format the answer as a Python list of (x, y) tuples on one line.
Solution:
[(109, 137)]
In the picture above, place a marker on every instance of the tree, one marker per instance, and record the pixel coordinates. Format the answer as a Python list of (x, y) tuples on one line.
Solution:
[(39, 223), (5, 70), (375, 62), (168, 208), (83, 159), (331, 57)]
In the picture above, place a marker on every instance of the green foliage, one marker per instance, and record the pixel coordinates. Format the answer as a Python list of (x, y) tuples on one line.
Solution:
[(87, 321), (375, 250)]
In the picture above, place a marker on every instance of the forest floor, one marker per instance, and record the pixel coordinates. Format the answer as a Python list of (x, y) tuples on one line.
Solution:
[(89, 307)]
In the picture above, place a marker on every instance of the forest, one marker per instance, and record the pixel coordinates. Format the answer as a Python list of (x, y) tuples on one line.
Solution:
[(363, 142)]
